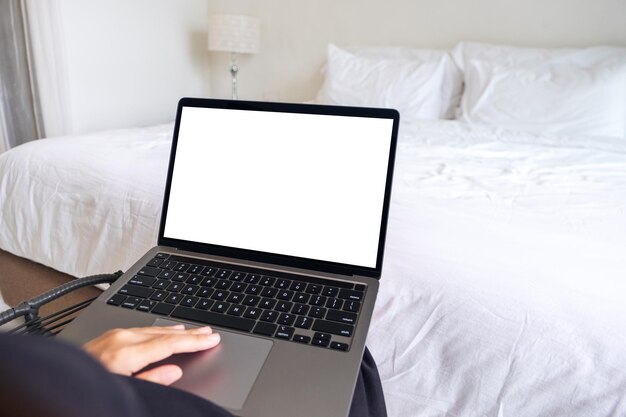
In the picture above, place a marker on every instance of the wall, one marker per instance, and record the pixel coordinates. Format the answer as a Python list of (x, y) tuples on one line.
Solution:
[(119, 63), (295, 33)]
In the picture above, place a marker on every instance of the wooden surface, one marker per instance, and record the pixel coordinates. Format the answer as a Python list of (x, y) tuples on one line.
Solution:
[(21, 279)]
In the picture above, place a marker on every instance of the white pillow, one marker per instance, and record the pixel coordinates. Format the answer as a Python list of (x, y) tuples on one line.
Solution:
[(570, 91), (600, 56), (413, 82), (562, 98)]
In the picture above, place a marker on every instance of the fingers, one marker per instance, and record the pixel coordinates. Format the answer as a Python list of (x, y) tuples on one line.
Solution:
[(164, 375), (163, 346), (179, 328)]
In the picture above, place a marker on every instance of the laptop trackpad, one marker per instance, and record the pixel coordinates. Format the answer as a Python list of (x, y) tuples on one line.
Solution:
[(224, 374)]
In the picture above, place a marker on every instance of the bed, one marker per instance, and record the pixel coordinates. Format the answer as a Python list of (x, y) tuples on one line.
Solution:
[(503, 287)]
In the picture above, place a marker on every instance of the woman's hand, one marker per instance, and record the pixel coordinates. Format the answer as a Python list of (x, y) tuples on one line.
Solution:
[(126, 351)]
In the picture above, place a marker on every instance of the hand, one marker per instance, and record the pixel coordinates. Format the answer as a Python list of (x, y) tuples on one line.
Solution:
[(126, 351)]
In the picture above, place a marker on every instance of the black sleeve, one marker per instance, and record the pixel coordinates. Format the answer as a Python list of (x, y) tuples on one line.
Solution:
[(44, 377)]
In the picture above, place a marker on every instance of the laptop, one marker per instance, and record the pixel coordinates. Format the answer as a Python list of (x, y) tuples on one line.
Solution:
[(272, 232)]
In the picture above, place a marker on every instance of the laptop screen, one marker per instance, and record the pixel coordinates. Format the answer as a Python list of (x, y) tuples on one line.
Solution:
[(295, 184)]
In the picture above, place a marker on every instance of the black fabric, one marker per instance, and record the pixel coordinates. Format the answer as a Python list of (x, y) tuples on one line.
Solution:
[(48, 378)]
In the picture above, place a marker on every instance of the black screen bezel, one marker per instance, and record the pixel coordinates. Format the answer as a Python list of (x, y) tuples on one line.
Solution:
[(267, 257)]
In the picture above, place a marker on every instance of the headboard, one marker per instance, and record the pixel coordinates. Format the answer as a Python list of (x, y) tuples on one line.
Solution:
[(295, 33)]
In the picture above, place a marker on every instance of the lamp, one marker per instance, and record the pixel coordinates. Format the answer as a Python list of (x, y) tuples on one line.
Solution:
[(234, 34)]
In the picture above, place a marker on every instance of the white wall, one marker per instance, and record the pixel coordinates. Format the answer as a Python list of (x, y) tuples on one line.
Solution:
[(125, 63), (295, 33)]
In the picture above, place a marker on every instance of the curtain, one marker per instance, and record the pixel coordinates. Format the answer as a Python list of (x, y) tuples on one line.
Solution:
[(19, 107)]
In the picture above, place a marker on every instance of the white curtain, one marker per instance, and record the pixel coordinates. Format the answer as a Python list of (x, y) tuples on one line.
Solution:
[(20, 115)]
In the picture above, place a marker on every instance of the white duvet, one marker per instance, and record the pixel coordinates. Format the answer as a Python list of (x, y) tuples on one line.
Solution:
[(503, 286)]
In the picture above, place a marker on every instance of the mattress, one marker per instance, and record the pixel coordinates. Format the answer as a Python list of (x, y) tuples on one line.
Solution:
[(502, 288)]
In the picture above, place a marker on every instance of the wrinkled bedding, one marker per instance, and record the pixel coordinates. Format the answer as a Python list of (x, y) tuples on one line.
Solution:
[(503, 284)]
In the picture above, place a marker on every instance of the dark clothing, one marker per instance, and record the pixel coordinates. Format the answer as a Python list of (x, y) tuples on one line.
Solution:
[(45, 377)]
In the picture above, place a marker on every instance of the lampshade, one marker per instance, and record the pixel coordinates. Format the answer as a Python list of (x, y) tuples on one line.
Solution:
[(234, 33)]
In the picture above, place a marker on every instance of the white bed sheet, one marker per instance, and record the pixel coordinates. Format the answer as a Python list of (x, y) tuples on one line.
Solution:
[(502, 291), (503, 287), (86, 204)]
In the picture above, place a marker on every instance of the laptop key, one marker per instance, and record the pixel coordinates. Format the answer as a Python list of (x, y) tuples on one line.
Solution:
[(204, 304), (252, 279), (223, 273), (297, 286), (320, 335), (333, 327), (351, 306), (267, 303), (286, 319), (303, 322), (269, 292), (235, 310), (194, 280), (149, 270), (265, 329), (208, 272), (189, 301), (284, 332), (313, 288), (136, 291), (180, 276), (320, 342), (146, 305), (168, 265), (359, 287), (269, 316), (208, 282), (131, 302), (159, 295), (300, 309), (284, 295), (223, 284), (205, 292), (339, 346), (335, 303), (341, 316), (282, 284), (253, 289), (283, 306), (235, 297), (195, 269), (267, 281), (190, 289), (163, 309), (155, 262), (175, 287), (351, 295), (220, 295), (301, 297), (116, 299), (182, 267), (166, 274), (253, 313), (251, 300), (174, 298), (317, 312), (161, 255), (330, 291), (318, 300), (238, 276), (160, 284), (300, 338), (238, 287), (215, 319), (220, 307)]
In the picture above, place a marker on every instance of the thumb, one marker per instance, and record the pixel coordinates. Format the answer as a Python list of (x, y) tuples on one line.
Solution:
[(164, 375)]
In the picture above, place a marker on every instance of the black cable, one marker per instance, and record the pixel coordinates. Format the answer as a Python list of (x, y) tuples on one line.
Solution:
[(31, 307)]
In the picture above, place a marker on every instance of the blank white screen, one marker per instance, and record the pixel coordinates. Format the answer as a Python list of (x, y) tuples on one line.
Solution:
[(293, 184)]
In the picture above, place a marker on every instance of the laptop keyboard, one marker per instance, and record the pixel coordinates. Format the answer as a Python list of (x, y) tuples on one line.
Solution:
[(302, 309)]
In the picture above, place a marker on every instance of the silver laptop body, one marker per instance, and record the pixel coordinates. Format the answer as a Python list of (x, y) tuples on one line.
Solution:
[(287, 203)]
